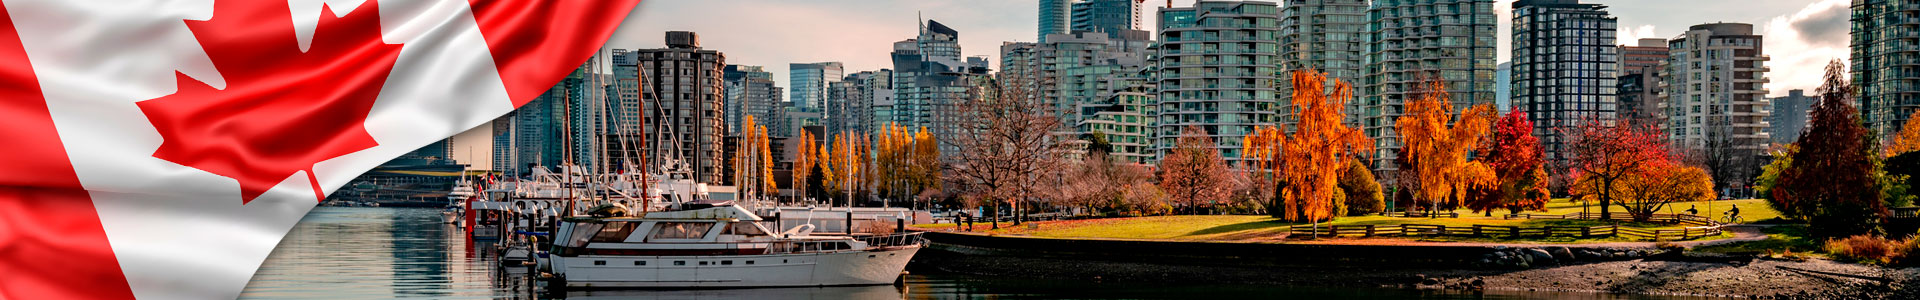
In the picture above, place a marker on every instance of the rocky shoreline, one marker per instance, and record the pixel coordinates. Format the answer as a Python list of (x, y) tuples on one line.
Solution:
[(1607, 271)]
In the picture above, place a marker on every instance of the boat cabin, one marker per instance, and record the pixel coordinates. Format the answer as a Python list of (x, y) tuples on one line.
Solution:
[(717, 230)]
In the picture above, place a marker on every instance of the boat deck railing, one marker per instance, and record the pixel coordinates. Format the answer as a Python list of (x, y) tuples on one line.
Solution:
[(873, 242)]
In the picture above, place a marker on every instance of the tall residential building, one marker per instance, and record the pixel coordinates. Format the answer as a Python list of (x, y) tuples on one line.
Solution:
[(1053, 18), (930, 81), (1093, 82), (1503, 87), (682, 106), (1639, 80), (750, 92), (1713, 98), (1216, 66), (1789, 116), (807, 83), (1564, 68), (1328, 36), (1112, 17), (1453, 40), (1886, 69)]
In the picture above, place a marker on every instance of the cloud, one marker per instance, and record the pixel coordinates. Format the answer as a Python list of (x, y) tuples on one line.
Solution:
[(1802, 42), (1631, 36)]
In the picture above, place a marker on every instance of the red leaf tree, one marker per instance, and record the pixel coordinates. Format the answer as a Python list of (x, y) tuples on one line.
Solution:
[(1193, 173), (1831, 183), (1515, 156), (1607, 152)]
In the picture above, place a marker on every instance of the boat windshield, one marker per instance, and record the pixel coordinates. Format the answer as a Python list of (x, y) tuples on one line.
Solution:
[(681, 230), (614, 232), (744, 228)]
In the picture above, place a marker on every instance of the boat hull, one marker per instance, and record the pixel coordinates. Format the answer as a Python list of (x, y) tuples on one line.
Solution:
[(771, 270)]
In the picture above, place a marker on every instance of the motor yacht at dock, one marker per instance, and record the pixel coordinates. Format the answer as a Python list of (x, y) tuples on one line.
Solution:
[(711, 244)]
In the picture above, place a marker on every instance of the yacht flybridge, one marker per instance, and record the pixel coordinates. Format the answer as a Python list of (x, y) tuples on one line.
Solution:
[(719, 245)]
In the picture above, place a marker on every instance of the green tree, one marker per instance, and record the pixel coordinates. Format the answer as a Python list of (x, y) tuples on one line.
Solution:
[(1362, 192)]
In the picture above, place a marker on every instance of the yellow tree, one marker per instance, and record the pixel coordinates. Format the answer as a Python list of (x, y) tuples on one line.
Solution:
[(1439, 153), (1908, 140), (1319, 149), (753, 162), (803, 164), (1260, 154), (843, 164), (892, 152), (923, 163)]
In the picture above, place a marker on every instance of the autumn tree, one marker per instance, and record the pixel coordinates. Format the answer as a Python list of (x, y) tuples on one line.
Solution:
[(1361, 191), (1831, 182), (1651, 188), (803, 164), (1515, 157), (1908, 140), (1003, 142), (1193, 173), (1608, 151), (1319, 149), (844, 163), (1439, 153), (1260, 156), (1099, 181), (753, 162)]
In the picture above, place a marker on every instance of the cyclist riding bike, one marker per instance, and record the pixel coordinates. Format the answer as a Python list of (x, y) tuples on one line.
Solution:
[(1733, 214)]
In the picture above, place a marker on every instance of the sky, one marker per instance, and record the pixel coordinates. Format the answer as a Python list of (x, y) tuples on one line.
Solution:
[(1800, 35)]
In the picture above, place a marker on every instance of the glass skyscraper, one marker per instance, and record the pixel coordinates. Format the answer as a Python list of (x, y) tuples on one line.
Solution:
[(1886, 65), (1565, 67), (807, 83)]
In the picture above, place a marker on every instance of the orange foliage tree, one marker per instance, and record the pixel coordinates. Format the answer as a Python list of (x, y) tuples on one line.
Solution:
[(1261, 157), (1605, 152), (1645, 192), (1441, 172), (845, 160), (1908, 140), (753, 163), (803, 163), (1319, 149), (1515, 157), (1193, 173)]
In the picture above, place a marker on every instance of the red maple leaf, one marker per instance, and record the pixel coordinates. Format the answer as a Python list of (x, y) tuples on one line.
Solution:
[(283, 110)]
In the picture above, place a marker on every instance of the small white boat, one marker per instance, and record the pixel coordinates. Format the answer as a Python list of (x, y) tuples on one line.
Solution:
[(719, 245)]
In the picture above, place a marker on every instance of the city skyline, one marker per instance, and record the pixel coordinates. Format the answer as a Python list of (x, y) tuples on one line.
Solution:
[(761, 35)]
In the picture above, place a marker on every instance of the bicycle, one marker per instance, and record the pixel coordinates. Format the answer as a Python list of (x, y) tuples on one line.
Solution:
[(1731, 218)]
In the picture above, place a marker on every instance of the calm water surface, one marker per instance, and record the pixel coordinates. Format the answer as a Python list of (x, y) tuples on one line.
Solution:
[(368, 252)]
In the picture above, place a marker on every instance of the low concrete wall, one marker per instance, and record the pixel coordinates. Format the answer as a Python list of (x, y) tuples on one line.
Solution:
[(1271, 254)]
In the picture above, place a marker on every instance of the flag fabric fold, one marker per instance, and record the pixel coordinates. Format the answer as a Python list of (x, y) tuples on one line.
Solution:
[(159, 149)]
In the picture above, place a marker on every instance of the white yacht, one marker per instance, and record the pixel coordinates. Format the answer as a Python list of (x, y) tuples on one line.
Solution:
[(719, 245)]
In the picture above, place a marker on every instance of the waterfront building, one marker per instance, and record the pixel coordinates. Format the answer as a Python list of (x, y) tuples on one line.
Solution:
[(566, 119), (750, 92), (1092, 83), (1564, 68), (1713, 99), (1789, 116), (807, 83), (1216, 66), (683, 107), (1453, 40), (1639, 81), (1503, 87), (1328, 36), (1112, 17), (1885, 64)]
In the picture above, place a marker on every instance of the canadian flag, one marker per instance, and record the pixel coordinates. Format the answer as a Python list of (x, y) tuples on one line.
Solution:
[(159, 149)]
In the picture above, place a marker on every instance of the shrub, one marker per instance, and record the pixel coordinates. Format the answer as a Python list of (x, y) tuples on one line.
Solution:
[(1863, 249), (1907, 253)]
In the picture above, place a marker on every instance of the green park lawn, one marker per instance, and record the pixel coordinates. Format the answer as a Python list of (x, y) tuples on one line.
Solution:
[(1264, 228)]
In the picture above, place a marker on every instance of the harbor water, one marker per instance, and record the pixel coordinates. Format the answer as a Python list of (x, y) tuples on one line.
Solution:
[(375, 252)]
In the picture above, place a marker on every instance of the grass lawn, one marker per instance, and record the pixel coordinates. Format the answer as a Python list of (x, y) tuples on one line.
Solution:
[(1751, 210)]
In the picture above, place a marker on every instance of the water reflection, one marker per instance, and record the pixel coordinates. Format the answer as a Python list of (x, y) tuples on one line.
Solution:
[(370, 252)]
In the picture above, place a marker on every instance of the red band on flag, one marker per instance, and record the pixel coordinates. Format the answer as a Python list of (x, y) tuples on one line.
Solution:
[(52, 245), (521, 36)]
